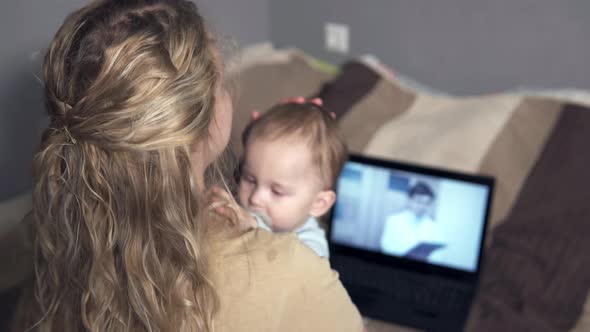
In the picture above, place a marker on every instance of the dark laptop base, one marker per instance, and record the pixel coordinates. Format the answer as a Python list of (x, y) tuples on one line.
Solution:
[(414, 300), (379, 306)]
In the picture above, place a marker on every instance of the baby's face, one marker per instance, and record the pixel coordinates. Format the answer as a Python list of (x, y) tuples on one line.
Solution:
[(279, 180)]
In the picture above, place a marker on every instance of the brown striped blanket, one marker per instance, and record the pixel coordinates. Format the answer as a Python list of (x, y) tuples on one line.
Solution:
[(536, 270)]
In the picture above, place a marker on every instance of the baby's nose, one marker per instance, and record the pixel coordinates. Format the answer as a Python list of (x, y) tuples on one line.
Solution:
[(256, 200)]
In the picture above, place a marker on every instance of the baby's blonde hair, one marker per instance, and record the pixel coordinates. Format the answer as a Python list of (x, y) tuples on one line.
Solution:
[(312, 124), (119, 216)]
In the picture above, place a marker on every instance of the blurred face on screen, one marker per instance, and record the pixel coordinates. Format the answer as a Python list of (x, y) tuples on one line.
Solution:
[(419, 204)]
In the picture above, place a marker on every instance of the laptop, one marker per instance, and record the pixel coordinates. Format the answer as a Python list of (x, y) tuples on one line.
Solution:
[(408, 240)]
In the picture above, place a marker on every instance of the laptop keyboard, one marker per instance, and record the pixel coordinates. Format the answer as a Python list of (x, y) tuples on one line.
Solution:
[(402, 286)]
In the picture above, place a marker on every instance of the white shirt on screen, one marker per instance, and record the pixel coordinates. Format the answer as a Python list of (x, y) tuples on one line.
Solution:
[(404, 231)]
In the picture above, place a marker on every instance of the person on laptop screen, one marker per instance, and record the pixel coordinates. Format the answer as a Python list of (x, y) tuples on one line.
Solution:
[(412, 232)]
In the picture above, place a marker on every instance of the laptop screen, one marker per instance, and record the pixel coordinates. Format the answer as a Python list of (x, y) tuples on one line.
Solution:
[(431, 219)]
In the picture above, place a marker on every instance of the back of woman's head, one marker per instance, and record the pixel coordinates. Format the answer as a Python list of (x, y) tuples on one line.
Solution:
[(130, 90)]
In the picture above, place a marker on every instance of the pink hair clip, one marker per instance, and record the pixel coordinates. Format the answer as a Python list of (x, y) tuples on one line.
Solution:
[(317, 101), (301, 100), (297, 100)]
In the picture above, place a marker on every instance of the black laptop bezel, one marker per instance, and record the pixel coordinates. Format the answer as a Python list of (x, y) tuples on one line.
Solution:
[(405, 263)]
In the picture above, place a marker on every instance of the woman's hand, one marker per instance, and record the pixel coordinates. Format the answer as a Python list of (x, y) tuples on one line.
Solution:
[(226, 206)]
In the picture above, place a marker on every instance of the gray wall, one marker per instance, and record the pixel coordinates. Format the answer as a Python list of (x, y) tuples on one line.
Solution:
[(243, 21), (26, 26), (459, 46)]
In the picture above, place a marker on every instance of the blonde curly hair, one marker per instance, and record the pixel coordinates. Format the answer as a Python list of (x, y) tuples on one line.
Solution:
[(130, 86)]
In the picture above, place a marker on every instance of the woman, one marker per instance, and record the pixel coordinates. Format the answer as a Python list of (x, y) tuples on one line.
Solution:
[(125, 235)]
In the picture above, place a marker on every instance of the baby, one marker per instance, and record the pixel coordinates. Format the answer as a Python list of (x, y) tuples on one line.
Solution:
[(293, 155)]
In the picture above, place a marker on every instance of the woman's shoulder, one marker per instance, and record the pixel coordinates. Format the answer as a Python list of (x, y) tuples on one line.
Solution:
[(254, 263), (275, 275), (269, 260), (259, 243)]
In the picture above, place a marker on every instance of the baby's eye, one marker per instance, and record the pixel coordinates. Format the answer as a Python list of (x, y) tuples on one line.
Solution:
[(249, 178), (278, 192)]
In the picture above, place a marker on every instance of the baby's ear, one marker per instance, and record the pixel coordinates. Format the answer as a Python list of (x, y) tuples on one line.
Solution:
[(322, 203)]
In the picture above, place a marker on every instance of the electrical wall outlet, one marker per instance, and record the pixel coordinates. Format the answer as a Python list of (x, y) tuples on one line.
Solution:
[(337, 37)]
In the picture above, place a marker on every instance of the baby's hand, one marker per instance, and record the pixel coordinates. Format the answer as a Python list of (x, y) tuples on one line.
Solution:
[(225, 205)]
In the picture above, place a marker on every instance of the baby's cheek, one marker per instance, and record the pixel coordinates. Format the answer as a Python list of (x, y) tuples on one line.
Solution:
[(284, 221)]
